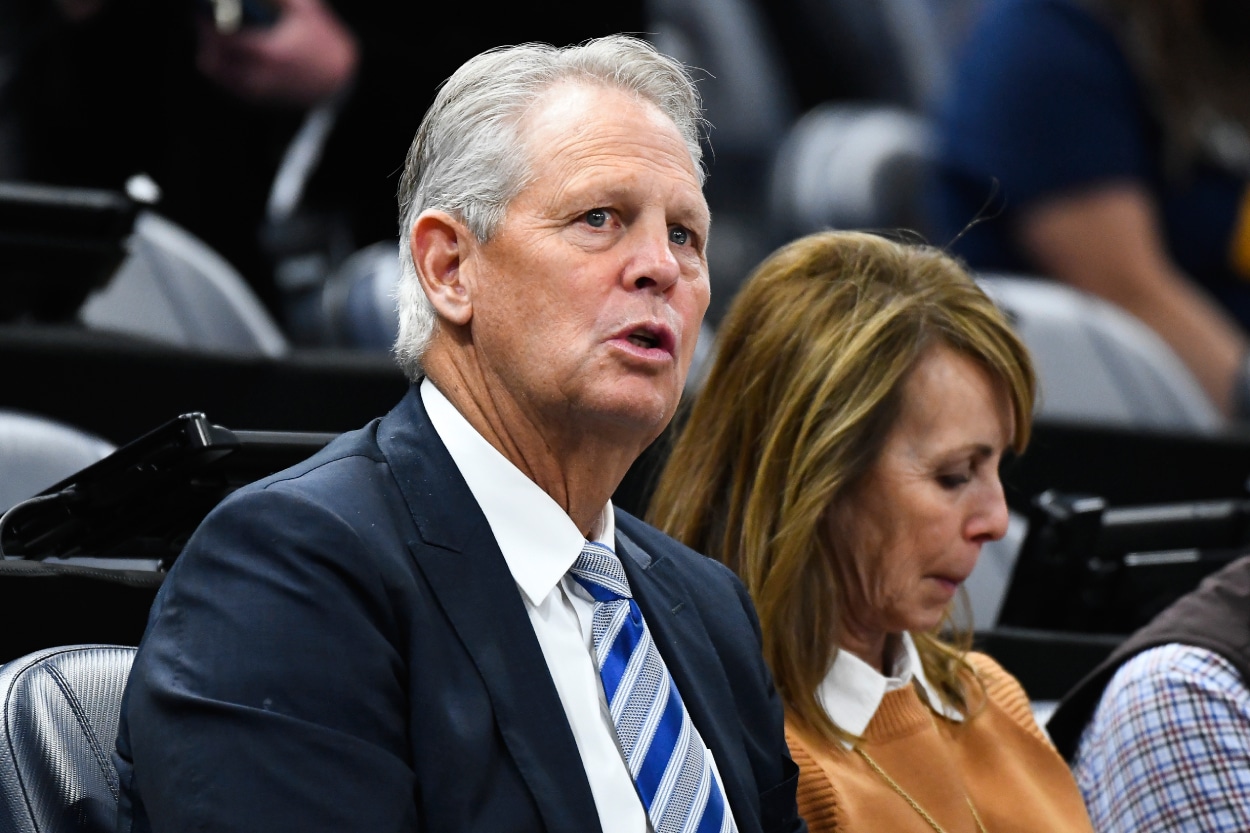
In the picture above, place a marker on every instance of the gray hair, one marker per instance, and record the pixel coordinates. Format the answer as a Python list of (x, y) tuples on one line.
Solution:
[(469, 160)]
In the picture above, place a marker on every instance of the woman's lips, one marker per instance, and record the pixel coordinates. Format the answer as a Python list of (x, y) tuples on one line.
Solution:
[(949, 583)]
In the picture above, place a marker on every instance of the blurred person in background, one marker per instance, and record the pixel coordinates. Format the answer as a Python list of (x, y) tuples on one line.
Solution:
[(271, 126), (1106, 143), (843, 459)]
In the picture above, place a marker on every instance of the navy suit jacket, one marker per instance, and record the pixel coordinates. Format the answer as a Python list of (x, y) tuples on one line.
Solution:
[(341, 647)]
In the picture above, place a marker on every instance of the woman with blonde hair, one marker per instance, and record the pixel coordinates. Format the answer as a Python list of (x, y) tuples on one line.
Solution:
[(843, 459)]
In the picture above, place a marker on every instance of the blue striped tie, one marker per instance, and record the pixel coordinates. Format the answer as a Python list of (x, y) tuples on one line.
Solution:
[(671, 767)]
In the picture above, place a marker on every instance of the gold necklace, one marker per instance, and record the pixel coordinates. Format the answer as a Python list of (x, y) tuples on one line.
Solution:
[(911, 801)]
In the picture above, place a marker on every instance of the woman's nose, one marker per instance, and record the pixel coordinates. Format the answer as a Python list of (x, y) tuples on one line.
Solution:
[(990, 519)]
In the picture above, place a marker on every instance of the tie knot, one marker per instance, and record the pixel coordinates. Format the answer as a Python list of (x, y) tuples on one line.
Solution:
[(599, 570)]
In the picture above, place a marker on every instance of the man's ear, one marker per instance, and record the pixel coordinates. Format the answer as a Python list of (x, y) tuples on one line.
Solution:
[(440, 244)]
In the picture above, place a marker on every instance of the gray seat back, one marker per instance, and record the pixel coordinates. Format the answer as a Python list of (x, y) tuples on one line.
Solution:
[(36, 452), (1097, 363), (360, 301), (173, 288), (852, 166), (745, 96), (60, 709)]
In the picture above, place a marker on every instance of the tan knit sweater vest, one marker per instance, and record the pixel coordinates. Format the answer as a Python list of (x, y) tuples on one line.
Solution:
[(1000, 759)]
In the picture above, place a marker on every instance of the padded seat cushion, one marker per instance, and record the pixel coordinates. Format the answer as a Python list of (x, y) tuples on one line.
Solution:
[(60, 711)]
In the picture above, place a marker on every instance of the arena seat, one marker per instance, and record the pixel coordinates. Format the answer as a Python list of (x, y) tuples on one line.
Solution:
[(60, 711), (173, 288), (36, 452), (359, 301), (852, 166), (1097, 363)]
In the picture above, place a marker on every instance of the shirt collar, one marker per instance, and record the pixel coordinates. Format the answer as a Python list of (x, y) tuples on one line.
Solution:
[(538, 539), (852, 690)]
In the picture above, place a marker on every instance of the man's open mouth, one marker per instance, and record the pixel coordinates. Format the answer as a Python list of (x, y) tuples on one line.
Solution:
[(644, 338)]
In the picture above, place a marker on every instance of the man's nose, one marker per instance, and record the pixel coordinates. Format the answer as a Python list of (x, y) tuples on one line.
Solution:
[(653, 264)]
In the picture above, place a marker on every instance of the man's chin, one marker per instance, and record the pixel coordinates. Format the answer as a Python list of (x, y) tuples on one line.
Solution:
[(633, 417)]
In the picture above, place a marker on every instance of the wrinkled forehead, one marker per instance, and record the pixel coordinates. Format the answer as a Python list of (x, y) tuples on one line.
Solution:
[(569, 101)]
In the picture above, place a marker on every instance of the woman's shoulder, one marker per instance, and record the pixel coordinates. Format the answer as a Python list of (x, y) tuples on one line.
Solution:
[(1000, 685), (1005, 693)]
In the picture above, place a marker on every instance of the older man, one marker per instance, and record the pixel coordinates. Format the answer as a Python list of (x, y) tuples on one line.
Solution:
[(440, 622)]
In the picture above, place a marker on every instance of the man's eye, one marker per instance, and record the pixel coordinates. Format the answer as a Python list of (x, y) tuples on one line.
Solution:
[(679, 235), (596, 218)]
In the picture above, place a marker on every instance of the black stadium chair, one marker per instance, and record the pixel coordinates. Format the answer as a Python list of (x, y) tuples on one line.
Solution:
[(60, 710)]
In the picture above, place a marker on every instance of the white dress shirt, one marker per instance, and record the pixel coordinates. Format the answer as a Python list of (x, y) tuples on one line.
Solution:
[(852, 690), (540, 543)]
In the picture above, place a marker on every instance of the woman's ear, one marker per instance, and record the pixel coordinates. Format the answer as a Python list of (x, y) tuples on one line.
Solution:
[(439, 245)]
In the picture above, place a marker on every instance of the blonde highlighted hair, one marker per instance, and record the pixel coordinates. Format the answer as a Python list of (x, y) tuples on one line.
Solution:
[(806, 385)]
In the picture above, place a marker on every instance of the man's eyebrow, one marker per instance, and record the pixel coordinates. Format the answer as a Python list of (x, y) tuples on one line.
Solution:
[(693, 212), (703, 216), (606, 191)]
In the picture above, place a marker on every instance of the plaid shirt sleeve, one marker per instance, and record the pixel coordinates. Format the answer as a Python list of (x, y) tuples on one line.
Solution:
[(1168, 748)]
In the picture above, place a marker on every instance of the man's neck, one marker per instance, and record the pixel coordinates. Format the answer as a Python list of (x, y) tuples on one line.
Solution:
[(579, 469)]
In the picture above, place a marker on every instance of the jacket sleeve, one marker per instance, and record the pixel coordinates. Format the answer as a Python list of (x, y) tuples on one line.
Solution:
[(269, 692)]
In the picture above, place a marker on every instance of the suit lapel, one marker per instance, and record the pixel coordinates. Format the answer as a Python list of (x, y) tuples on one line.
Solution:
[(682, 638), (462, 562)]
